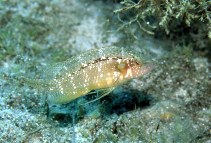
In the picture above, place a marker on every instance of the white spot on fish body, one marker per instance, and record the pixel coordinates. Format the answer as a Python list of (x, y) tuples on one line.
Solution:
[(103, 58), (62, 90), (119, 60), (116, 74)]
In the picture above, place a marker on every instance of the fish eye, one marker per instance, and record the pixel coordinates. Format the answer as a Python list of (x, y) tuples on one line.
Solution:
[(121, 66)]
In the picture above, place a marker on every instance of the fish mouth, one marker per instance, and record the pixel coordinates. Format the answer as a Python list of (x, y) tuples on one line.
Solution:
[(146, 68)]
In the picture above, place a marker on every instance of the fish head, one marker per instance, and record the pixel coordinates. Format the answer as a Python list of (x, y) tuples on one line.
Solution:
[(130, 68)]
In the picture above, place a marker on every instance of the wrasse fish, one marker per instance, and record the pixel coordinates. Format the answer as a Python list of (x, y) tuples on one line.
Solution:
[(97, 69)]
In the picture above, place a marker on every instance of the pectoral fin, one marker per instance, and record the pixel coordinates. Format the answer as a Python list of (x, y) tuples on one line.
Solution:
[(100, 94)]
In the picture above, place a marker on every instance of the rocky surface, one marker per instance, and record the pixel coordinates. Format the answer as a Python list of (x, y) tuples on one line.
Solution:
[(171, 104)]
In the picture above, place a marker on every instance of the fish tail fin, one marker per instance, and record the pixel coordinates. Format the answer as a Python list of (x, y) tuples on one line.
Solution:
[(35, 83)]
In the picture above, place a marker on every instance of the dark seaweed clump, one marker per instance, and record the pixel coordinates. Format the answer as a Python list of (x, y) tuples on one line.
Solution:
[(185, 22)]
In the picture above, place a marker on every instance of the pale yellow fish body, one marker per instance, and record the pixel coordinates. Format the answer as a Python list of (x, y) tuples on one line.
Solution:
[(95, 69)]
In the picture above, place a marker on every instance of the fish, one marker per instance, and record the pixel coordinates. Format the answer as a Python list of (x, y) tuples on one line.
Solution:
[(99, 69)]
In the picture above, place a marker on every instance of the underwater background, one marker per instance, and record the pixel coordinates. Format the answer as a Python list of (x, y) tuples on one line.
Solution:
[(171, 104)]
